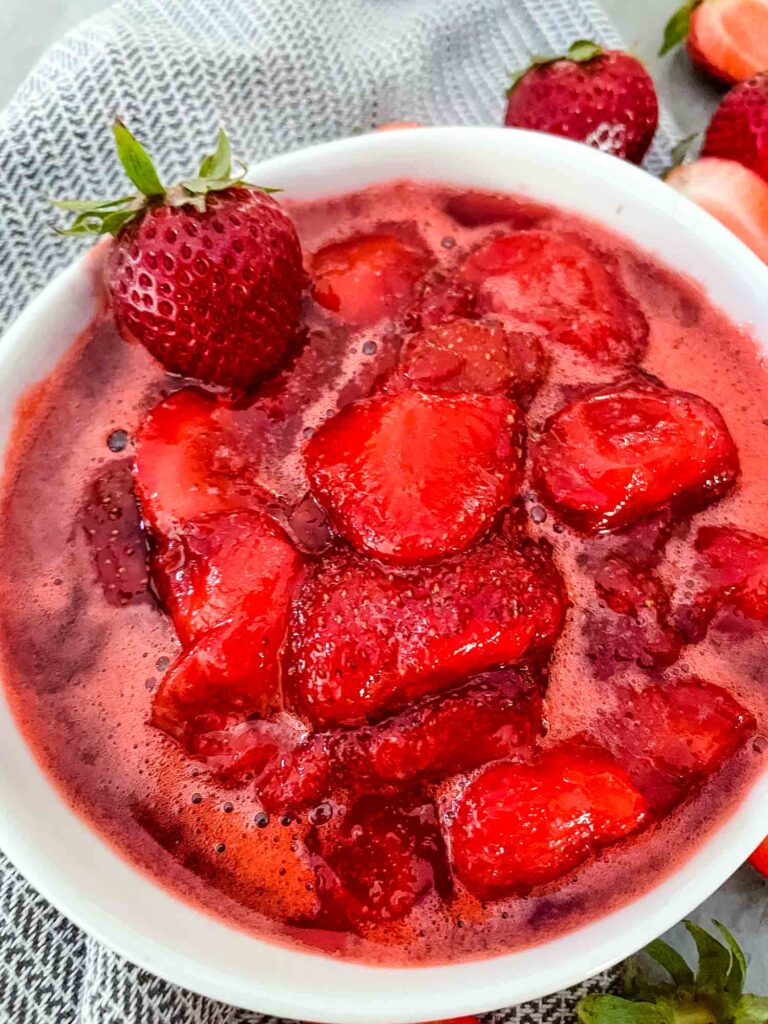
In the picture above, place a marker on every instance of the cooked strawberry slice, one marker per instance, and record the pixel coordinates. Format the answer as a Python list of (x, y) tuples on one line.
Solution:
[(554, 283), (215, 563), (235, 750), (640, 630), (429, 740), (367, 639), (477, 209), (300, 776), (610, 459), (384, 860), (238, 625), (367, 278), (518, 826), (412, 476), (734, 571), (190, 460), (671, 737), (735, 195), (484, 358)]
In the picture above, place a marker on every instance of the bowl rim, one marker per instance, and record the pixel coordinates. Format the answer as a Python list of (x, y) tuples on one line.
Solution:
[(346, 992)]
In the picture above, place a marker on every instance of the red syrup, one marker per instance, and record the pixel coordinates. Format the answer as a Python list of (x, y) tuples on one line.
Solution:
[(86, 642)]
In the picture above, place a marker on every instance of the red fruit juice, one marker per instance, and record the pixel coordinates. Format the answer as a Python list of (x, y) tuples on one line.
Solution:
[(85, 642)]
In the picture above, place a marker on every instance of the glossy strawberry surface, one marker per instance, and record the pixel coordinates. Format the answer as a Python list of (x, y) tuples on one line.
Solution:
[(418, 631), (413, 476), (633, 449), (554, 283)]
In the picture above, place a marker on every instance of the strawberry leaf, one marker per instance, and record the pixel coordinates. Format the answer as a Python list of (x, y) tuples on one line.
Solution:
[(583, 50), (676, 30), (219, 163), (738, 968), (580, 52), (615, 1010), (714, 961), (136, 161), (751, 1010), (671, 961)]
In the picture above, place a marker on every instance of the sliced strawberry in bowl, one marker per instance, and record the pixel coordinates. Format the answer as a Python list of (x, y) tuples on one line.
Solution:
[(727, 39), (735, 195), (367, 640), (671, 737), (477, 209), (630, 450), (190, 460), (603, 98), (207, 571), (412, 476), (385, 859), (367, 278), (519, 826), (231, 597), (555, 284), (476, 357)]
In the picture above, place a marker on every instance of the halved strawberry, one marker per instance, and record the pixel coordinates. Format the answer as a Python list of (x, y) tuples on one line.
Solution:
[(552, 282), (607, 460), (367, 278), (366, 639), (413, 476), (759, 858), (215, 563), (727, 39), (733, 194), (672, 736), (190, 460), (481, 358), (518, 826), (234, 610), (385, 859)]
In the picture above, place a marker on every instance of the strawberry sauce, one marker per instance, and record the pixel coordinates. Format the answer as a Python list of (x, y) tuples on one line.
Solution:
[(86, 640)]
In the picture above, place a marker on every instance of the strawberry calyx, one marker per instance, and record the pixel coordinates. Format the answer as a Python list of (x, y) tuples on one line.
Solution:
[(676, 29), (109, 216), (580, 52), (714, 994)]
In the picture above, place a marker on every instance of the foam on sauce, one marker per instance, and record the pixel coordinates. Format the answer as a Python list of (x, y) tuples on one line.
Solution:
[(82, 657)]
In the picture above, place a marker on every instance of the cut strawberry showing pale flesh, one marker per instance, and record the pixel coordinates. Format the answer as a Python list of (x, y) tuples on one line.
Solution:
[(729, 38), (735, 195), (519, 826), (189, 462), (672, 736), (411, 477), (610, 459), (367, 278), (480, 358), (213, 564), (367, 640), (553, 283)]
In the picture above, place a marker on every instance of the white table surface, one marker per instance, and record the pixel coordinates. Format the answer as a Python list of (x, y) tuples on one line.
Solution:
[(27, 27)]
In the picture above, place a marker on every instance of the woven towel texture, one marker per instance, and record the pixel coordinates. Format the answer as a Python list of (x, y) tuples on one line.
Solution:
[(279, 74)]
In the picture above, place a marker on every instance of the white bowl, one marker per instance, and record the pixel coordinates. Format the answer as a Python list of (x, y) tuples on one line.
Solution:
[(101, 892)]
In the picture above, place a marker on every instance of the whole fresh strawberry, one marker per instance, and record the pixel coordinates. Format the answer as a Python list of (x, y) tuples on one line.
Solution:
[(739, 128), (604, 98), (759, 858), (726, 39), (207, 274)]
